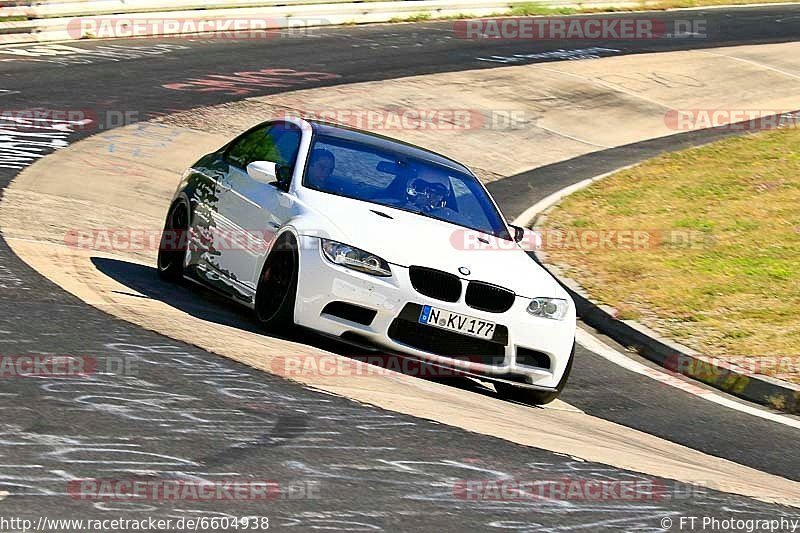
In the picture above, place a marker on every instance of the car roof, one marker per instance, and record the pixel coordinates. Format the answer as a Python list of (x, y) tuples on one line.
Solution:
[(384, 143)]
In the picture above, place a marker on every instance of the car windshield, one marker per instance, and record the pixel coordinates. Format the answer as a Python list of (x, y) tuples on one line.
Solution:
[(374, 174)]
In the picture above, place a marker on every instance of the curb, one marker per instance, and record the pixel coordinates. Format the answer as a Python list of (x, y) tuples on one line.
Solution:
[(727, 377)]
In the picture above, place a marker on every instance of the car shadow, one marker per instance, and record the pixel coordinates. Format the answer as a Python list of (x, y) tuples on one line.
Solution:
[(207, 305)]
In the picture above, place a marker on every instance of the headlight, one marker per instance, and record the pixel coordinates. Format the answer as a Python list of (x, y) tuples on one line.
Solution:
[(345, 255), (554, 308)]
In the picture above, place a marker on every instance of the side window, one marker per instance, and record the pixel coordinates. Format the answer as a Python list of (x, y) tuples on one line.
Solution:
[(286, 140), (278, 143)]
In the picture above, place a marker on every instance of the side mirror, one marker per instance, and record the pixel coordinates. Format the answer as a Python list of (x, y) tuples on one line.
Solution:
[(271, 173), (263, 171), (284, 177), (519, 232)]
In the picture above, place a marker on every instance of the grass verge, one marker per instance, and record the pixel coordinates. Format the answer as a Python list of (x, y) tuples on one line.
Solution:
[(417, 17), (533, 9), (718, 265)]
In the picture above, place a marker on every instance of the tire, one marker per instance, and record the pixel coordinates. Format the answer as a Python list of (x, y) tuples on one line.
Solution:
[(277, 287), (172, 250), (535, 397)]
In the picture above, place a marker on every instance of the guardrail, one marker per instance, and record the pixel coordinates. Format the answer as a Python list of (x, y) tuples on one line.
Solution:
[(55, 21), (71, 8)]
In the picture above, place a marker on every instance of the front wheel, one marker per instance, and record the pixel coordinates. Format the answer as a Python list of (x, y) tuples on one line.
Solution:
[(535, 397), (277, 287), (172, 248)]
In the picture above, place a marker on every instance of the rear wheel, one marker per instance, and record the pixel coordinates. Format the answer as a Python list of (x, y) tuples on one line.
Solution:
[(535, 397), (172, 249), (277, 287)]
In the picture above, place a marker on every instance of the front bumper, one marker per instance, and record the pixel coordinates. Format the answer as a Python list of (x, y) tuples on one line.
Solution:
[(394, 327)]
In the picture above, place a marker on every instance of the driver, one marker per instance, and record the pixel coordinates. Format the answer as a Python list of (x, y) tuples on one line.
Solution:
[(427, 192), (320, 168)]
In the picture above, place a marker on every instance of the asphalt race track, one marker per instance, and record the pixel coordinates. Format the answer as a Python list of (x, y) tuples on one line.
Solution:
[(189, 414)]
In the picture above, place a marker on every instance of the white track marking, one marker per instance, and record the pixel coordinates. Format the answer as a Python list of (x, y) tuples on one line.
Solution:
[(595, 345), (3, 495), (751, 62)]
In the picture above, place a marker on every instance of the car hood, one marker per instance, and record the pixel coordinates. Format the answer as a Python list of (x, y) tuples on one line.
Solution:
[(408, 239)]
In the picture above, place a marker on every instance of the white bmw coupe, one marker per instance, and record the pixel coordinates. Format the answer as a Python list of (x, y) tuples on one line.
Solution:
[(376, 242)]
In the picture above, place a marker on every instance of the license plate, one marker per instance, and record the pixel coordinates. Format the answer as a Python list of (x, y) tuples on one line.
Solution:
[(467, 325)]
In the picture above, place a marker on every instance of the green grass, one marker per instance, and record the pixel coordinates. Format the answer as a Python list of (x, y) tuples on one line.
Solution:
[(534, 9), (727, 281), (418, 17), (675, 4), (524, 10)]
